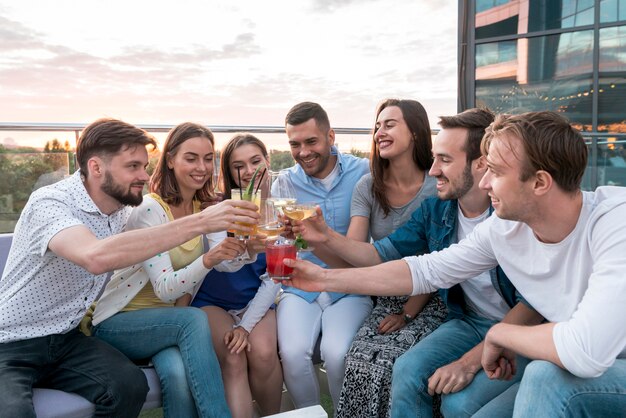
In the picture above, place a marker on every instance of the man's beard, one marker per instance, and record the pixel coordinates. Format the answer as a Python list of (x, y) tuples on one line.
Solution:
[(116, 191), (465, 186)]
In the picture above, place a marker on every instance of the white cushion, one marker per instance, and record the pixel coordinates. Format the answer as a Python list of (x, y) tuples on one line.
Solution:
[(50, 403)]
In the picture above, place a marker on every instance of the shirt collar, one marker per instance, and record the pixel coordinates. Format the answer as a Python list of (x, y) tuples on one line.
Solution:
[(83, 200)]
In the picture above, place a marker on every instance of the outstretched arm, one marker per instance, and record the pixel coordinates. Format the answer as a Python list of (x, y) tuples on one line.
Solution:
[(79, 245), (388, 279), (336, 250)]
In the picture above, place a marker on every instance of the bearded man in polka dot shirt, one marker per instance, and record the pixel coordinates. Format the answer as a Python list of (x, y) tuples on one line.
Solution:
[(67, 239)]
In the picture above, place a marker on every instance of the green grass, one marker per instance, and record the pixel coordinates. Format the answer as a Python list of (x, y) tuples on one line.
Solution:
[(152, 413), (327, 404)]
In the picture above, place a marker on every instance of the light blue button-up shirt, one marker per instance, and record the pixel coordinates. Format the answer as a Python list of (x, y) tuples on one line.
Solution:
[(335, 203)]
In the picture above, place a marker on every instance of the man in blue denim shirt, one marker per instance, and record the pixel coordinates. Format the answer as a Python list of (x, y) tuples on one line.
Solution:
[(325, 177), (448, 361)]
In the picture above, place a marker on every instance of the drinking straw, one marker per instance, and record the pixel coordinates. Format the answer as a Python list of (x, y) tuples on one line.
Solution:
[(239, 179), (260, 180)]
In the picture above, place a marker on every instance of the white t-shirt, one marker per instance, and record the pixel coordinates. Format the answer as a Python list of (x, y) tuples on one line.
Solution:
[(327, 181), (578, 283), (479, 294)]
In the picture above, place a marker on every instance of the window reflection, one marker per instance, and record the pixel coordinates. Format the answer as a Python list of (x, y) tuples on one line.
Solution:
[(544, 73), (612, 10), (500, 18), (612, 87)]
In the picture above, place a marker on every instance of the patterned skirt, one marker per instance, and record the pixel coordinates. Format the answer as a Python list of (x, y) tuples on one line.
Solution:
[(366, 390)]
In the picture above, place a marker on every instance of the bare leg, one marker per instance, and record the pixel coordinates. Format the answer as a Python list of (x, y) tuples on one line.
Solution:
[(234, 366), (265, 371)]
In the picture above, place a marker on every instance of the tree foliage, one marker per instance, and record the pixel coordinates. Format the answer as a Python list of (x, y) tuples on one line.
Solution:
[(280, 159)]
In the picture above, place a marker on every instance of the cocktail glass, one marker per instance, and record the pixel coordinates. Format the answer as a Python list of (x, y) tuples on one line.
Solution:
[(300, 212), (275, 252), (255, 197)]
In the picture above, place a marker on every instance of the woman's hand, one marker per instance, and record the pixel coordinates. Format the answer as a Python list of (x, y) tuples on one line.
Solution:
[(225, 250), (391, 323), (256, 245), (313, 229), (287, 233), (222, 217), (236, 340), (184, 300)]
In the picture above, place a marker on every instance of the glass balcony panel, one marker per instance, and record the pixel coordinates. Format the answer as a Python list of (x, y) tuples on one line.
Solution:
[(23, 173), (612, 162)]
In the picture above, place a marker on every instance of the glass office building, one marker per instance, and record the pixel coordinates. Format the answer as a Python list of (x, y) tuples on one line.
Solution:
[(568, 56)]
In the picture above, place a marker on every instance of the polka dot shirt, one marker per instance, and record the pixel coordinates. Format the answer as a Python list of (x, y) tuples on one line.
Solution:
[(40, 292)]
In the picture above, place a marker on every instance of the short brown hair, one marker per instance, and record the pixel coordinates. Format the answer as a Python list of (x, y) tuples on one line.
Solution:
[(228, 182), (551, 144), (475, 120), (304, 111), (163, 181), (107, 137)]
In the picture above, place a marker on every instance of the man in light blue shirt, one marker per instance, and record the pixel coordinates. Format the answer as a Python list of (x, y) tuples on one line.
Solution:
[(325, 177)]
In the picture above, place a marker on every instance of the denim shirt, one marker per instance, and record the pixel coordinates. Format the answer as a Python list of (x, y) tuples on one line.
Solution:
[(335, 203), (433, 227)]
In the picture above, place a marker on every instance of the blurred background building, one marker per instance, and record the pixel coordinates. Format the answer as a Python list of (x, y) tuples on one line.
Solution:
[(568, 56)]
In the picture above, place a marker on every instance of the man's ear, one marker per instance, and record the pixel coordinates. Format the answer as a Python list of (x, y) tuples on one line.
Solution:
[(543, 182), (480, 164), (95, 165), (331, 137)]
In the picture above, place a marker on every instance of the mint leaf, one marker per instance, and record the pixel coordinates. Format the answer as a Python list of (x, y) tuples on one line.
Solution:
[(301, 243)]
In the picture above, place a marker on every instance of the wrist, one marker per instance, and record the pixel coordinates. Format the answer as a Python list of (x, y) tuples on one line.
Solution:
[(470, 363), (406, 317)]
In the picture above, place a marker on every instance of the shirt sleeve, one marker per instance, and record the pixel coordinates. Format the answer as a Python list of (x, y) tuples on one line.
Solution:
[(168, 284), (262, 301), (409, 239), (47, 215), (361, 204), (590, 341), (455, 264)]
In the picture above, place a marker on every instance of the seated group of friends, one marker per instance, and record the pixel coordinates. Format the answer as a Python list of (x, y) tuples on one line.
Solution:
[(467, 275)]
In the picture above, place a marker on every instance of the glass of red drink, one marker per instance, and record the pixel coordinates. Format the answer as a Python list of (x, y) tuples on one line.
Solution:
[(275, 253)]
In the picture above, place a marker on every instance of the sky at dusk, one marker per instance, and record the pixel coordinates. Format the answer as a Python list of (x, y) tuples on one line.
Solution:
[(222, 63)]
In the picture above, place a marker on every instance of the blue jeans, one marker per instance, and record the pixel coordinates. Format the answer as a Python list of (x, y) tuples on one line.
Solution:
[(179, 342), (409, 386), (70, 362), (549, 391)]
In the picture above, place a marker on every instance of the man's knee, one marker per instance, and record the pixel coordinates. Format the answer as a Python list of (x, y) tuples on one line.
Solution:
[(410, 369), (456, 404), (17, 407), (128, 393), (540, 374)]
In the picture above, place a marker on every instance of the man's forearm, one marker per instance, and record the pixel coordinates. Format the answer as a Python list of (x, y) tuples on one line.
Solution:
[(355, 253), (387, 279), (520, 314), (99, 256), (533, 342)]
